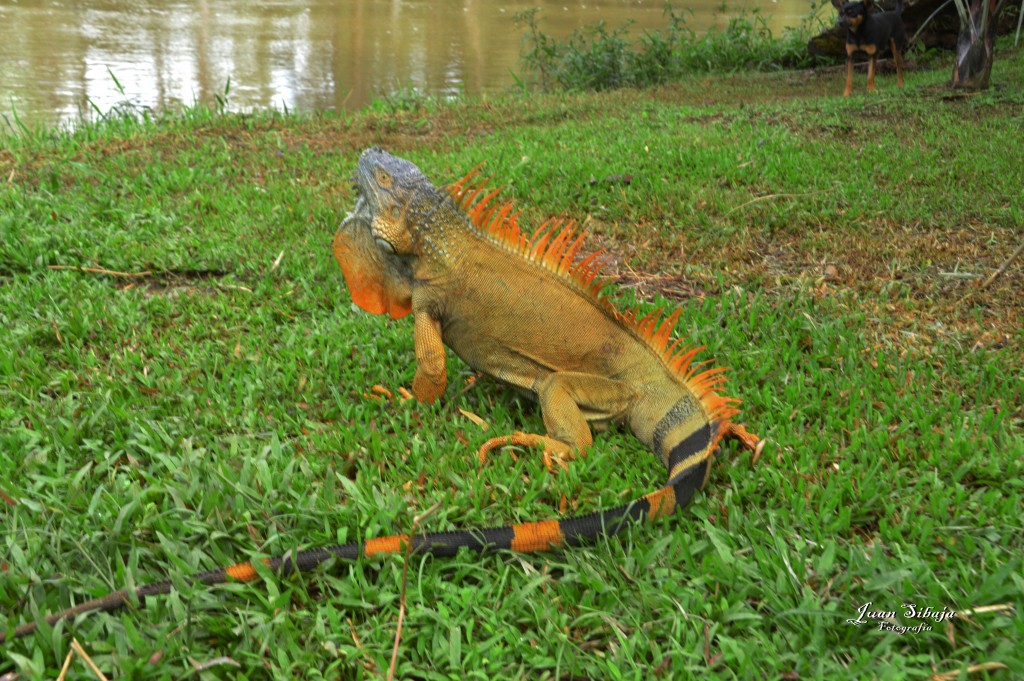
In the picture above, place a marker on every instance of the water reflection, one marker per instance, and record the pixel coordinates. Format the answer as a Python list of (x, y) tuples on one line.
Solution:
[(60, 60)]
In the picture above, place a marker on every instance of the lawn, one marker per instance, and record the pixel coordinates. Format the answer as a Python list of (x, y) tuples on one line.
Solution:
[(185, 383)]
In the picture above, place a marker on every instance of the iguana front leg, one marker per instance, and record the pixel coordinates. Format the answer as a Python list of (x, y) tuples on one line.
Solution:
[(567, 399), (431, 371)]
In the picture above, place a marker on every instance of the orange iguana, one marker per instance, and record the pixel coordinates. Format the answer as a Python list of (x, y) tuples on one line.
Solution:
[(526, 312)]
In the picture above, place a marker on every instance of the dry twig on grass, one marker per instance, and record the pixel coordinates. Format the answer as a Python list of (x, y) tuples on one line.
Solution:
[(405, 572), (99, 270)]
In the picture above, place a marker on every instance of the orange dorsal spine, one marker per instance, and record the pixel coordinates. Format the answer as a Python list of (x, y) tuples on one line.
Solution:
[(555, 246)]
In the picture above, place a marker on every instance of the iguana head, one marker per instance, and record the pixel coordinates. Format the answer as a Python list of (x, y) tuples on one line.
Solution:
[(380, 282), (398, 199), (375, 237)]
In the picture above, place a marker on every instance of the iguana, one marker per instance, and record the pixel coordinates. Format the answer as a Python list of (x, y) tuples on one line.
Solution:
[(527, 312), (531, 315)]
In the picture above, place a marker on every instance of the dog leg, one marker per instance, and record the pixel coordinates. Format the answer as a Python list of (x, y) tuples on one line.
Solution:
[(849, 75), (899, 62)]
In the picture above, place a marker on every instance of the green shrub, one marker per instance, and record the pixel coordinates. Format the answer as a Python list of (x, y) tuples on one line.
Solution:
[(595, 57)]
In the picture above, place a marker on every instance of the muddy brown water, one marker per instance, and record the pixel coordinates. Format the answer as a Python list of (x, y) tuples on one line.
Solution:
[(61, 60)]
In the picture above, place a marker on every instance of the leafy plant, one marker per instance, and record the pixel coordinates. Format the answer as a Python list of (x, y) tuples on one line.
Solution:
[(596, 57)]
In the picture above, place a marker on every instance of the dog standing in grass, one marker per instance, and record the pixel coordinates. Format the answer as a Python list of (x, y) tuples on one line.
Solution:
[(871, 32)]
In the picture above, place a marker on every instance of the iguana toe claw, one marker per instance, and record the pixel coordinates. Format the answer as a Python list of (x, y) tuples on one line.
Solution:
[(555, 451), (747, 440)]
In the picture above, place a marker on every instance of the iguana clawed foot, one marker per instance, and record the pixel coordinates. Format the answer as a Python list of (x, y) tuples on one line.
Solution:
[(555, 451), (747, 439)]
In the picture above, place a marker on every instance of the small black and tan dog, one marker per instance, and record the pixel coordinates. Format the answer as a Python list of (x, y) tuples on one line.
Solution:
[(871, 32)]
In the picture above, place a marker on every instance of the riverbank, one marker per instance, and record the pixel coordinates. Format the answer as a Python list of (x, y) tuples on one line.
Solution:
[(190, 387)]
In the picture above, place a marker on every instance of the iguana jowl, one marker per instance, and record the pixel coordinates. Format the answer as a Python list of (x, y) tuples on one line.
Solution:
[(528, 313)]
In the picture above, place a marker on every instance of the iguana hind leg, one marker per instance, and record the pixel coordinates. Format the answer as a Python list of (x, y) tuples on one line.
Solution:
[(568, 400), (747, 439)]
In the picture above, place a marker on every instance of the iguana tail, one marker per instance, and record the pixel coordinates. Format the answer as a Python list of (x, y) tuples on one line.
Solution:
[(524, 538)]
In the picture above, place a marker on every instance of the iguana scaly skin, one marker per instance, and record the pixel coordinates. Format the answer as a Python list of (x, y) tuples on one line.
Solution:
[(528, 313)]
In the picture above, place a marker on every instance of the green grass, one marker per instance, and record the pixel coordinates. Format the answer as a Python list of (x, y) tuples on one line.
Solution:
[(214, 407)]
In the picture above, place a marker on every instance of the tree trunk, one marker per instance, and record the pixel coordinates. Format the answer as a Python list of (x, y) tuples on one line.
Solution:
[(976, 44)]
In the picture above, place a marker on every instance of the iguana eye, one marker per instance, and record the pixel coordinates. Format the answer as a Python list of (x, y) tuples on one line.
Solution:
[(385, 246), (383, 179)]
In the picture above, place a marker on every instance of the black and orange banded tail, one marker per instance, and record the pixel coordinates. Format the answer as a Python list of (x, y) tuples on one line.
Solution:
[(524, 538)]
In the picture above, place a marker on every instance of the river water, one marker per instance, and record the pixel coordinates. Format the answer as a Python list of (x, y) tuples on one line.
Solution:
[(61, 60)]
